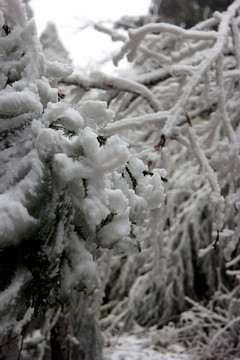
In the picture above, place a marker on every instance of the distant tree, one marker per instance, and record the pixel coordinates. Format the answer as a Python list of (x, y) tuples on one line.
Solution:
[(52, 45), (186, 13)]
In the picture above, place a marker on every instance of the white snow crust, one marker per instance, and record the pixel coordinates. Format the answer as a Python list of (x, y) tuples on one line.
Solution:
[(140, 347)]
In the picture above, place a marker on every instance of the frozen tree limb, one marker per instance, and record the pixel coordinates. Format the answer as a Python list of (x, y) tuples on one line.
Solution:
[(103, 81)]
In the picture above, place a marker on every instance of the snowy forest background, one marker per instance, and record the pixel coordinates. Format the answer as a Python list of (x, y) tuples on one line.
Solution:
[(120, 194)]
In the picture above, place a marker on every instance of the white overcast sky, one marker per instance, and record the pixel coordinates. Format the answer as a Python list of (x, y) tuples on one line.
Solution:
[(88, 45)]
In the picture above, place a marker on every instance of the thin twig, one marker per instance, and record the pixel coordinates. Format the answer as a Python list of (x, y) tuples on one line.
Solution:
[(8, 341)]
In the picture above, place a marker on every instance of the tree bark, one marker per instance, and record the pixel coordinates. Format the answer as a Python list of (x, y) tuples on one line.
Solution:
[(59, 341), (85, 328)]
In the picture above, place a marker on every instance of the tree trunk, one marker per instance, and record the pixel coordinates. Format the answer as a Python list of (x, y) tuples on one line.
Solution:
[(60, 349), (85, 329)]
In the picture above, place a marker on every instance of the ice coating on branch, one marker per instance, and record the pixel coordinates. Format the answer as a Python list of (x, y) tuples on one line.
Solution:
[(17, 103), (8, 299)]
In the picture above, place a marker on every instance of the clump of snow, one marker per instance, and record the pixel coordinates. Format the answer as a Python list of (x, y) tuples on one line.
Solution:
[(14, 219), (96, 113)]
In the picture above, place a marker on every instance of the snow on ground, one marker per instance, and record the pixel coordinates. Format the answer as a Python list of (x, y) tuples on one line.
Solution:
[(140, 347)]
